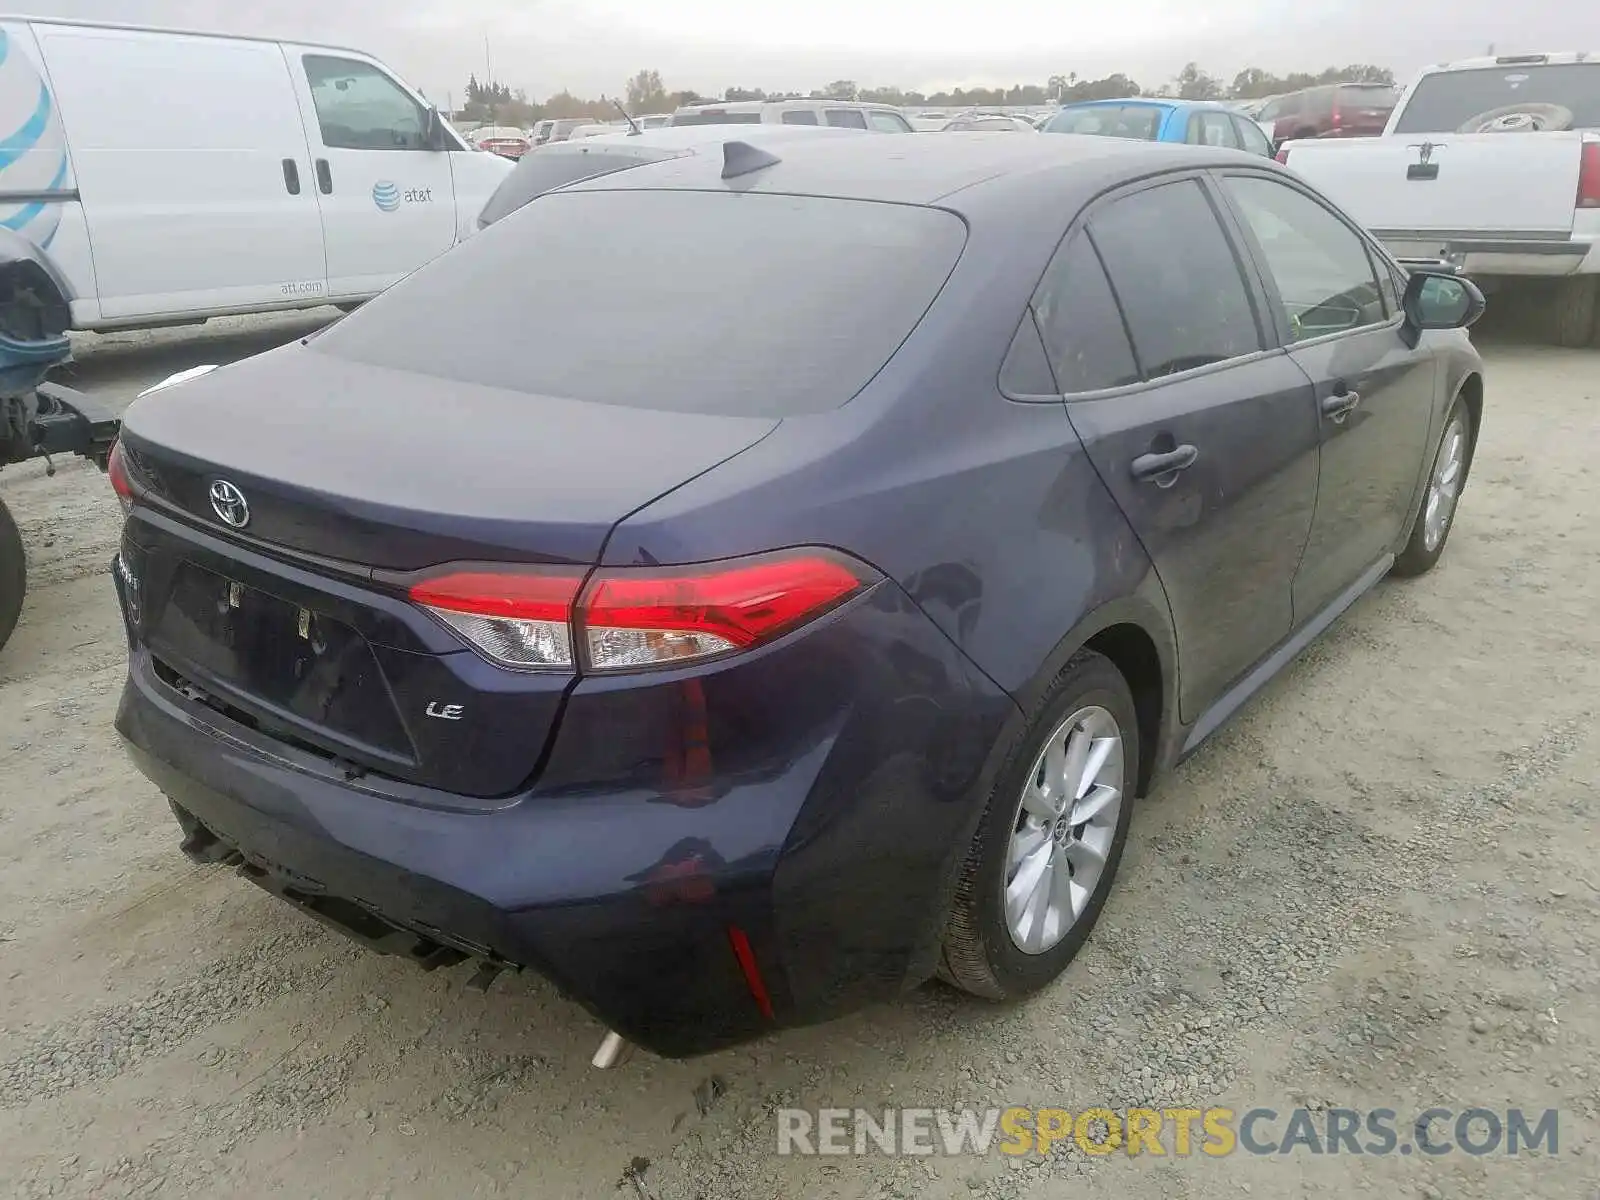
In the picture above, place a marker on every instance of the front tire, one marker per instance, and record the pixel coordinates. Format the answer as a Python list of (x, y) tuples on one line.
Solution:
[(13, 574), (1050, 840), (1446, 479)]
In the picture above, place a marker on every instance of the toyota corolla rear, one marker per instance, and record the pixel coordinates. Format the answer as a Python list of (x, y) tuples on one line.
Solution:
[(376, 661)]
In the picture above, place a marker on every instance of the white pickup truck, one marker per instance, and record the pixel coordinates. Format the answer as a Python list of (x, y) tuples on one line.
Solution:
[(1490, 166)]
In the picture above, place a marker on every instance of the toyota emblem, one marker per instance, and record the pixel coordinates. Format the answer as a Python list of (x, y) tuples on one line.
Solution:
[(228, 502)]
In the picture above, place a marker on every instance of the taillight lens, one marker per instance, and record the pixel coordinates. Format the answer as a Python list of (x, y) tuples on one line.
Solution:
[(519, 619), (1589, 176), (629, 618), (117, 472), (643, 618), (1282, 156)]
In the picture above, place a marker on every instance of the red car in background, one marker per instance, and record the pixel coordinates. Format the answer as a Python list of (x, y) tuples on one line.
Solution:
[(1332, 110), (502, 140)]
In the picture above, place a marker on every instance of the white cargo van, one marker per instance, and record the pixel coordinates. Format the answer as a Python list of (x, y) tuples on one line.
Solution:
[(177, 176)]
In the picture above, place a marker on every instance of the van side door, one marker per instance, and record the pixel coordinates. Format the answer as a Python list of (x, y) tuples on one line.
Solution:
[(388, 201), (193, 209)]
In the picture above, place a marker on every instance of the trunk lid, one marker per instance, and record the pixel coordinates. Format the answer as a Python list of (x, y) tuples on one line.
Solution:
[(350, 473), (1487, 183)]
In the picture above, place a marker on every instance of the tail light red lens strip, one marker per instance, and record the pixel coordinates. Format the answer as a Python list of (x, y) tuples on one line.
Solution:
[(1589, 176), (117, 473), (628, 618)]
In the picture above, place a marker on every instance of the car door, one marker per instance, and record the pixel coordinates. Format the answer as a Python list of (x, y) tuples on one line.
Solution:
[(1337, 313), (1204, 434), (388, 202), (188, 213)]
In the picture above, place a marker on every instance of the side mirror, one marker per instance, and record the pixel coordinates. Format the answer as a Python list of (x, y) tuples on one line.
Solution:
[(1437, 301)]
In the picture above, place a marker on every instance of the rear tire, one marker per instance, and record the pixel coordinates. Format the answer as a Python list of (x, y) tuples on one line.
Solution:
[(1573, 313), (1431, 529), (984, 938), (13, 574)]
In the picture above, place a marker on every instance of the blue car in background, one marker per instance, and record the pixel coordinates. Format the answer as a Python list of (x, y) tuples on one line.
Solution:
[(1150, 119)]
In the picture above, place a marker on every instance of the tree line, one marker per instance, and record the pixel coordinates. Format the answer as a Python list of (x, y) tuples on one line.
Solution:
[(495, 103)]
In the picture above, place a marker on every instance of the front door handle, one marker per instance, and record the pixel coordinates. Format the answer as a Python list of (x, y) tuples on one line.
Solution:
[(1340, 406), (291, 176), (324, 177), (1164, 467)]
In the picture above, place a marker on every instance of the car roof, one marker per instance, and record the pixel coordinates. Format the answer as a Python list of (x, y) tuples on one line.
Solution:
[(800, 102), (961, 171), (1155, 101), (693, 137)]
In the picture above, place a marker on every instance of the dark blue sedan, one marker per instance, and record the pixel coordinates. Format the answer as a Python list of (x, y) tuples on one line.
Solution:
[(745, 586)]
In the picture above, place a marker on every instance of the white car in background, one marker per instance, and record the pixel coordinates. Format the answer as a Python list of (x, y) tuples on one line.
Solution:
[(834, 114)]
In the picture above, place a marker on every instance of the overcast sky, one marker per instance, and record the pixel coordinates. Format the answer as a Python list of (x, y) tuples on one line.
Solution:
[(593, 46)]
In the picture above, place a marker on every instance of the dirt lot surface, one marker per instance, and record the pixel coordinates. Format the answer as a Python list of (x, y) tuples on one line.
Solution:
[(1378, 888)]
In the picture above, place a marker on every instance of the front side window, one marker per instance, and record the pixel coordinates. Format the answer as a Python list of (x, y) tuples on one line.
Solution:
[(1212, 129), (361, 108), (1177, 279), (1320, 265), (888, 122), (1079, 322), (1251, 138), (846, 118)]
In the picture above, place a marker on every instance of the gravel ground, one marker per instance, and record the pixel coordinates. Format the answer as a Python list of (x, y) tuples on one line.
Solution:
[(1377, 888)]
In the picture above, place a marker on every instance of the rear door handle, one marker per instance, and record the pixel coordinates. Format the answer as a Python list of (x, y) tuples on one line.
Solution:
[(1164, 467), (324, 177), (1340, 406), (291, 176)]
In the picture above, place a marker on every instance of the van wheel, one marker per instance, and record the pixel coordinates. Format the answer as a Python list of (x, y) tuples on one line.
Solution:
[(1047, 848), (13, 574), (1574, 310)]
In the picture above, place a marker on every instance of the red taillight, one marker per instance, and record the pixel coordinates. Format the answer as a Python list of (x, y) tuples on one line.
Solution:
[(518, 618), (117, 472), (1589, 176), (1282, 156), (633, 617)]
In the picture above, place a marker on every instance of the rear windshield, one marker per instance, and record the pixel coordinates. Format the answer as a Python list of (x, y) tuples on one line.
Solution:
[(1142, 121), (749, 304), (551, 167), (717, 118), (1447, 101)]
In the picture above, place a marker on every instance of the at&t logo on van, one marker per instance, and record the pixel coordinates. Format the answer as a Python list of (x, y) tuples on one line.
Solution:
[(389, 196)]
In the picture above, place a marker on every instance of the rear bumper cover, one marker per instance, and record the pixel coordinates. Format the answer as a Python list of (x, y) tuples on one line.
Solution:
[(1488, 253), (833, 859)]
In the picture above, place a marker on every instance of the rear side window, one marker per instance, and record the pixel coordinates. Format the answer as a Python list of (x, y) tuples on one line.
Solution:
[(1139, 121), (799, 116), (543, 170), (846, 118), (709, 302), (1083, 332), (1176, 276)]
